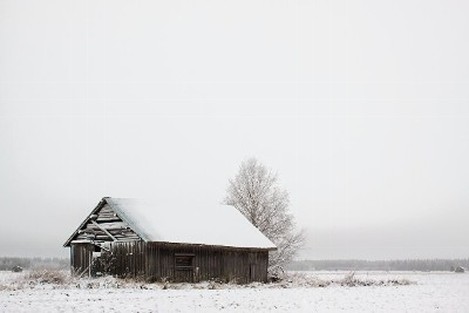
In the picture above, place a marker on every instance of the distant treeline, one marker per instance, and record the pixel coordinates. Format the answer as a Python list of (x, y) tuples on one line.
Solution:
[(390, 265), (7, 263)]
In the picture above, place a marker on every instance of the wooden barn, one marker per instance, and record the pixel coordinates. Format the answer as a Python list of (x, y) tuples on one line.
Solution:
[(134, 238)]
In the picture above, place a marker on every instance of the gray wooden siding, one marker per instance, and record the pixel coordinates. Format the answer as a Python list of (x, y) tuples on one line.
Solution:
[(130, 258), (227, 264), (158, 261), (80, 258)]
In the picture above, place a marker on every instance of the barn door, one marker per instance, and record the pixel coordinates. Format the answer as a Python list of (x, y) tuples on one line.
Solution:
[(253, 267), (184, 267), (252, 272)]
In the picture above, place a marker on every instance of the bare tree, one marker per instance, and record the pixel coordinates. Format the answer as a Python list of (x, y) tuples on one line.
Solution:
[(254, 191)]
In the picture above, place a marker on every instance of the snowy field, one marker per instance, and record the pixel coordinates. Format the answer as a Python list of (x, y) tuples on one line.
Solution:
[(432, 292)]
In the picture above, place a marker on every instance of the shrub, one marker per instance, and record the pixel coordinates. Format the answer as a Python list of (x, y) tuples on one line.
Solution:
[(17, 269), (47, 277), (350, 280), (459, 269), (275, 274)]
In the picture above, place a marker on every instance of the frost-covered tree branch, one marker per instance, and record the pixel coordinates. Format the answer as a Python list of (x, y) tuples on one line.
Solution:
[(254, 191)]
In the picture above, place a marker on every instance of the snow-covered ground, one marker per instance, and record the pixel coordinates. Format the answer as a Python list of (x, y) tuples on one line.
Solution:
[(433, 292)]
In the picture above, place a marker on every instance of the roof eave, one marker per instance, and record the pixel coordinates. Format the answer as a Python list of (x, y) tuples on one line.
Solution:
[(212, 245)]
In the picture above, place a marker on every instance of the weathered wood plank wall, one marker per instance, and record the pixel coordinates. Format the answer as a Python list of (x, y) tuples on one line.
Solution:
[(130, 258), (178, 262), (80, 257), (228, 264)]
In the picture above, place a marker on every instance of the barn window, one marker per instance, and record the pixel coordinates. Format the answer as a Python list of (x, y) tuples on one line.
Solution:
[(183, 262)]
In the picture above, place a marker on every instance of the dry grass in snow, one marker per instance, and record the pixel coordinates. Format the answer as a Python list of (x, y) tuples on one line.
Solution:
[(319, 292), (55, 279)]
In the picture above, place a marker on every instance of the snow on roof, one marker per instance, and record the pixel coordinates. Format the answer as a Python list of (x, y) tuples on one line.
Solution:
[(220, 225)]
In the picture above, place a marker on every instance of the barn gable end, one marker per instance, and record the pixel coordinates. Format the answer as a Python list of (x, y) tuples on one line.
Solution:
[(101, 226)]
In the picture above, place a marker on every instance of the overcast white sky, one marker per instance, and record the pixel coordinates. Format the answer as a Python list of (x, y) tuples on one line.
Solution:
[(362, 107)]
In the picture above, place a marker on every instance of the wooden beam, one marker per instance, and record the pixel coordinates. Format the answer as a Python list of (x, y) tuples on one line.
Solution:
[(104, 230)]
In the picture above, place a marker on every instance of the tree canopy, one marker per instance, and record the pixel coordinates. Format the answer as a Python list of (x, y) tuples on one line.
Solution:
[(255, 192)]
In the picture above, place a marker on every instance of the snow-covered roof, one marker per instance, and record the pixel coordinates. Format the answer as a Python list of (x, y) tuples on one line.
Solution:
[(220, 225)]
